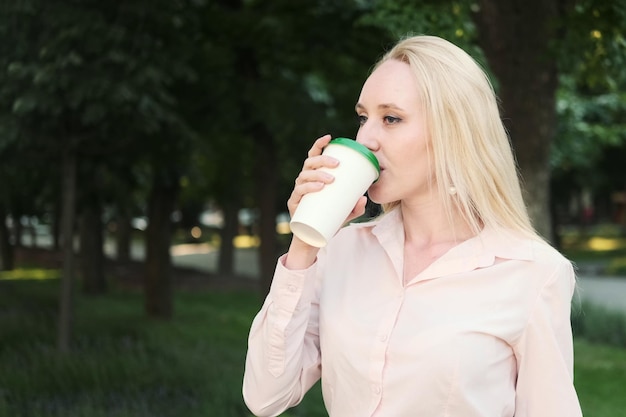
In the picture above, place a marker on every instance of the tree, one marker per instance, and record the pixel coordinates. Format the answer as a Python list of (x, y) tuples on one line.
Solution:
[(591, 106), (91, 232), (516, 37), (88, 80), (6, 249), (290, 73)]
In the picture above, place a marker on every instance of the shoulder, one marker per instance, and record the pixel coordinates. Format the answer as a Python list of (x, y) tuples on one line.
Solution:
[(549, 269), (547, 256), (514, 245), (536, 262)]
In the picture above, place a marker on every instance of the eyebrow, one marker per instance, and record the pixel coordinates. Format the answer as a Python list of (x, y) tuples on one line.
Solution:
[(383, 106)]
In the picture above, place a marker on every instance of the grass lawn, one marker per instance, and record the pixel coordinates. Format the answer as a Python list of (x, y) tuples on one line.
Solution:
[(600, 378), (124, 365)]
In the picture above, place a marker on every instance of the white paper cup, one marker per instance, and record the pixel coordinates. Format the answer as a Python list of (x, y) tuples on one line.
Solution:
[(321, 214)]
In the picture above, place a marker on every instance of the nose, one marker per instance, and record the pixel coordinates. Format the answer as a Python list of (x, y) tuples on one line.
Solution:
[(366, 136)]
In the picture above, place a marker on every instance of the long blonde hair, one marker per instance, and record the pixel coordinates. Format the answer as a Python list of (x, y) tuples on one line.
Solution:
[(471, 149)]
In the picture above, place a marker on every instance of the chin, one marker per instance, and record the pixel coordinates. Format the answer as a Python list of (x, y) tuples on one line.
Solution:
[(376, 196)]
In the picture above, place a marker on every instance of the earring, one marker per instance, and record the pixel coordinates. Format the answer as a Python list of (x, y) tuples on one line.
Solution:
[(452, 190)]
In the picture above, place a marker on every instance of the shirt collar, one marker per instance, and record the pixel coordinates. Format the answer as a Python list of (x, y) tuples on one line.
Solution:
[(478, 252)]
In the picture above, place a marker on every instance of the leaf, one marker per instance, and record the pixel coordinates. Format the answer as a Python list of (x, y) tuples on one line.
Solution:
[(24, 105)]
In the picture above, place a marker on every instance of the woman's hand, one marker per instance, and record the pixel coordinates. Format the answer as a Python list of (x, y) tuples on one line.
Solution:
[(311, 179)]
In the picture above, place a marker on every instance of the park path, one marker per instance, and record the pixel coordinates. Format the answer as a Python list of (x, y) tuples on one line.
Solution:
[(605, 291)]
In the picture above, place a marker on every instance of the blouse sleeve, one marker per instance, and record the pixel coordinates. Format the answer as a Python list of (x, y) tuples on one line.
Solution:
[(545, 355), (283, 359)]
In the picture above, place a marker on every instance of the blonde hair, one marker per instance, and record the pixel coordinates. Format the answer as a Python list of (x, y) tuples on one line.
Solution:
[(471, 149)]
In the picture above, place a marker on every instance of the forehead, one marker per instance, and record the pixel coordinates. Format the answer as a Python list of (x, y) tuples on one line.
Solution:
[(392, 82)]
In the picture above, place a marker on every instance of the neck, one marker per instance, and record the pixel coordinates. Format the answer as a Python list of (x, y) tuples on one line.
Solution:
[(427, 223)]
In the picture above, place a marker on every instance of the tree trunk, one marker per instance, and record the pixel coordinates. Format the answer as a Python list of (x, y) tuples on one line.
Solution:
[(227, 234), (66, 305), (123, 236), (18, 230), (56, 225), (7, 262), (158, 267), (32, 227), (515, 37), (91, 256), (267, 184)]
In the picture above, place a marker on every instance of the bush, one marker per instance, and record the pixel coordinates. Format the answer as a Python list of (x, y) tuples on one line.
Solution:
[(599, 325)]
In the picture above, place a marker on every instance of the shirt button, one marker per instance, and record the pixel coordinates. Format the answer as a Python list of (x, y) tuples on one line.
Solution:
[(382, 338), (291, 288), (377, 390)]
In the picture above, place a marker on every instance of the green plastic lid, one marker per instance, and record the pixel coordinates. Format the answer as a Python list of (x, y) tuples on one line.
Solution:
[(359, 148)]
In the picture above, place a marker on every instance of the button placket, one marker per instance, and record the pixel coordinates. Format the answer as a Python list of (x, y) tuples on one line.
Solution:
[(379, 350)]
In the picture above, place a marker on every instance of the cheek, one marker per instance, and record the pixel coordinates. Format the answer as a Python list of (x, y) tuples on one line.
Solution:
[(419, 162)]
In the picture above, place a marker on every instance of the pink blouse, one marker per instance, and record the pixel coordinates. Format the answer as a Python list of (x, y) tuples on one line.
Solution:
[(484, 331)]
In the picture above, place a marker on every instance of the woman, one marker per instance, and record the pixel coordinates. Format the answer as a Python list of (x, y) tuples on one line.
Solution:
[(449, 304)]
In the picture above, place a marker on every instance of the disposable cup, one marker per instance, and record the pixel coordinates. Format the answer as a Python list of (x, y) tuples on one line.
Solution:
[(321, 214)]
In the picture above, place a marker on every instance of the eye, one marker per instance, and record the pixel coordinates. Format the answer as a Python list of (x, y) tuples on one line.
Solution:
[(361, 119), (391, 120)]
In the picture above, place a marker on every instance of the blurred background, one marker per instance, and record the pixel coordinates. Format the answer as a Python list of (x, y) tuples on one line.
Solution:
[(147, 150)]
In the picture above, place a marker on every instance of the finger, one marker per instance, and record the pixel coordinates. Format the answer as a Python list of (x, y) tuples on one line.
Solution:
[(300, 191), (320, 161), (319, 145), (314, 175), (316, 159)]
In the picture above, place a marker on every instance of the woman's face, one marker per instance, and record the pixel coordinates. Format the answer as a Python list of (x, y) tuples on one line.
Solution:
[(392, 126)]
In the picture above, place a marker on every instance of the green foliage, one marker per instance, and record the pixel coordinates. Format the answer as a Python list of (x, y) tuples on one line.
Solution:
[(588, 124), (182, 88), (450, 19), (593, 46), (591, 102), (99, 79), (77, 72)]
